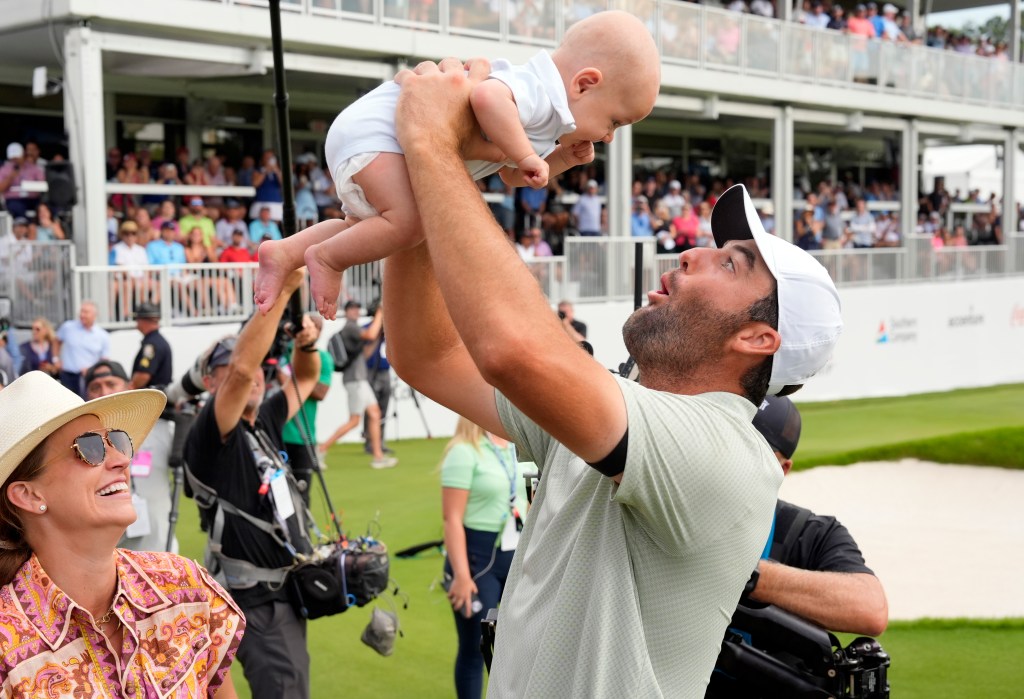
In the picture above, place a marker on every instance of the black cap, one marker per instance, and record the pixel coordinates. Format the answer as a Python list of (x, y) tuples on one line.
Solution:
[(352, 304), (779, 422), (219, 354), (147, 311), (167, 224), (103, 369)]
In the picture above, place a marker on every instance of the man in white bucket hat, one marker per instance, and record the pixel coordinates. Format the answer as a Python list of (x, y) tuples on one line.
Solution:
[(67, 593)]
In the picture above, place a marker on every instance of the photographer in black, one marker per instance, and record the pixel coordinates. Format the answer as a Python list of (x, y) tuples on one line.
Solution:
[(233, 449), (811, 566), (814, 567)]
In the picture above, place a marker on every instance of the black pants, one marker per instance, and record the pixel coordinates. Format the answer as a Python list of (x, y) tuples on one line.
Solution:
[(72, 380), (273, 651)]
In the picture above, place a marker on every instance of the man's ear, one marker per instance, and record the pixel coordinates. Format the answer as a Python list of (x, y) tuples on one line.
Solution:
[(757, 338), (586, 79)]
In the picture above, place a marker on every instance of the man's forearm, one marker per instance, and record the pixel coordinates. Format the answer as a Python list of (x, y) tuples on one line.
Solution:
[(465, 238), (846, 602), (256, 337)]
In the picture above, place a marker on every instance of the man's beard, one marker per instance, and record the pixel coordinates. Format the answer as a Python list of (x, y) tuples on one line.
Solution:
[(673, 341)]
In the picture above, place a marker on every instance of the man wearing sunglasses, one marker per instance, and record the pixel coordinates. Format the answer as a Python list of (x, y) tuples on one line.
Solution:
[(232, 450), (151, 493)]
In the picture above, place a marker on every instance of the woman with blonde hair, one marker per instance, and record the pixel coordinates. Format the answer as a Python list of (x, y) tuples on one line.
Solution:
[(40, 352), (483, 500), (79, 617)]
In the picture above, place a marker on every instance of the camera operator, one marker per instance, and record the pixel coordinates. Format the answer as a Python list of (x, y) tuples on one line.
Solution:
[(236, 433), (814, 567), (379, 370), (355, 377), (576, 330)]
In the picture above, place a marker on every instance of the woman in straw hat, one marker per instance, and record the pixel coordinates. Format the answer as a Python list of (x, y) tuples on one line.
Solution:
[(77, 616)]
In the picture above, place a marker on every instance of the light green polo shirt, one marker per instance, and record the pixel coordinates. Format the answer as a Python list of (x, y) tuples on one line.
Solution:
[(487, 473), (625, 591)]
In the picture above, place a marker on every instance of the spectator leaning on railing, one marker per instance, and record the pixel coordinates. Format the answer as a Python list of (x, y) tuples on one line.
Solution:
[(16, 170)]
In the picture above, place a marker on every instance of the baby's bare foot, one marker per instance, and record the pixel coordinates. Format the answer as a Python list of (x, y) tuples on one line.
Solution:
[(274, 268), (324, 283)]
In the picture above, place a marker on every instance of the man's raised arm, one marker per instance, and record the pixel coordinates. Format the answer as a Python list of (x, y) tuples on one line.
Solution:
[(502, 317)]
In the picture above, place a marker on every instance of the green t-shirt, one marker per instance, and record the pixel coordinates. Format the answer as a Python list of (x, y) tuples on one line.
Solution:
[(204, 223), (291, 433), (485, 471)]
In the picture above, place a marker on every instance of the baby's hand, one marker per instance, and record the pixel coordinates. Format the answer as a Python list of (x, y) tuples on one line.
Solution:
[(534, 171), (579, 153)]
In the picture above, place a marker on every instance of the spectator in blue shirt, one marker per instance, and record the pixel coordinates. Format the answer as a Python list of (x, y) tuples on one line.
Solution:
[(263, 228), (165, 250), (81, 344), (640, 219)]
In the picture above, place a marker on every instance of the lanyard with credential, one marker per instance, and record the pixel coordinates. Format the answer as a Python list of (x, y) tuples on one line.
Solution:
[(509, 467)]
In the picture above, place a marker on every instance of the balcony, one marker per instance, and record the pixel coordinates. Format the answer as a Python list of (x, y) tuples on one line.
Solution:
[(691, 35)]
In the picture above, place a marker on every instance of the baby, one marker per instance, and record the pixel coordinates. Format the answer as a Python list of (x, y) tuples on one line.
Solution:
[(544, 116)]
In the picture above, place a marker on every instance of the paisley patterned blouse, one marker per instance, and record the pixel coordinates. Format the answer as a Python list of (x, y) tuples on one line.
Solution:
[(181, 632)]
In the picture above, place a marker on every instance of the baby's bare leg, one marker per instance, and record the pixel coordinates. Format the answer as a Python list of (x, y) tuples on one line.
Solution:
[(386, 185), (279, 257)]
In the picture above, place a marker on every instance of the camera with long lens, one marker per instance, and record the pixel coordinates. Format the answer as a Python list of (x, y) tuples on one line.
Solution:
[(769, 653)]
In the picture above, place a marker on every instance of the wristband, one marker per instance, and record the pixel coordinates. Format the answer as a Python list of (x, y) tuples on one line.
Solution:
[(751, 585), (309, 349)]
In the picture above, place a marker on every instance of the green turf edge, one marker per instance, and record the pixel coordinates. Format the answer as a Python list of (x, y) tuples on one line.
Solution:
[(1003, 447)]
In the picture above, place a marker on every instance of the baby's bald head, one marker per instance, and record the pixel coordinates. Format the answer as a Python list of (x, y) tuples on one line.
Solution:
[(620, 47)]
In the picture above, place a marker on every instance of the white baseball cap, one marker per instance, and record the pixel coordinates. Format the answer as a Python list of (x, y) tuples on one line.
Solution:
[(810, 320), (15, 150)]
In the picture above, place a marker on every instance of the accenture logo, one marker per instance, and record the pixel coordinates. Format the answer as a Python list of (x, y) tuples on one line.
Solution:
[(896, 330), (967, 320)]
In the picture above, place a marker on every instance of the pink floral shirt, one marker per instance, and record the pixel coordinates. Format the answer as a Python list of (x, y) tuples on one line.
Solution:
[(181, 632)]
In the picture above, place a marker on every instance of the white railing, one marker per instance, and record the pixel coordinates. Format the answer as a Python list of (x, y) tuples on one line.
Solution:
[(707, 37), (36, 278), (592, 269)]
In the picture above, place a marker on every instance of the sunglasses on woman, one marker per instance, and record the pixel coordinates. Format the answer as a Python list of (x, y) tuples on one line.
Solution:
[(91, 447)]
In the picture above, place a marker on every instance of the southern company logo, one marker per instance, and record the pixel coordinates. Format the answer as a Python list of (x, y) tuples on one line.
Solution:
[(896, 330)]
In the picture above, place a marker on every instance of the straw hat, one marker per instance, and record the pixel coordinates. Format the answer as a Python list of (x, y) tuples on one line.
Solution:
[(35, 405)]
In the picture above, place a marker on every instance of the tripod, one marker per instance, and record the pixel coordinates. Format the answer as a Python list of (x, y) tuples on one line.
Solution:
[(419, 408), (182, 420)]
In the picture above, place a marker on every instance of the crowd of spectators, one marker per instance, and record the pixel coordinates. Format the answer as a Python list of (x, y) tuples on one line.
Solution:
[(157, 229), (871, 20)]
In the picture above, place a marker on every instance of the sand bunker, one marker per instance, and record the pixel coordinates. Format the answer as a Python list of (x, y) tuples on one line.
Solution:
[(946, 541)]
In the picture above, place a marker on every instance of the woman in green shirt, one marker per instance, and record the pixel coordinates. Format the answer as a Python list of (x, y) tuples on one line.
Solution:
[(483, 498)]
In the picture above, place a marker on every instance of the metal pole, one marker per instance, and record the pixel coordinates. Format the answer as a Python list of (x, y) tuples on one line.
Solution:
[(288, 223)]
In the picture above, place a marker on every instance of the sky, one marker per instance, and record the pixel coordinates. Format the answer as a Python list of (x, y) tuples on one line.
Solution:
[(956, 19)]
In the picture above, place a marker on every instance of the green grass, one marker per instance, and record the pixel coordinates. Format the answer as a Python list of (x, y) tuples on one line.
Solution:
[(954, 659), (836, 432), (402, 506)]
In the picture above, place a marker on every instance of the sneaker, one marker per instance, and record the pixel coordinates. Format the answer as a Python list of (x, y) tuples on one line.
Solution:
[(386, 462)]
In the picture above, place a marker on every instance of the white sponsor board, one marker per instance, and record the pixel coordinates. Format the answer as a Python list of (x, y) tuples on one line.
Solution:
[(898, 340)]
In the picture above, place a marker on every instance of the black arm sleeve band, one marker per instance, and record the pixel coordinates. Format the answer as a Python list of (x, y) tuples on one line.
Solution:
[(615, 463)]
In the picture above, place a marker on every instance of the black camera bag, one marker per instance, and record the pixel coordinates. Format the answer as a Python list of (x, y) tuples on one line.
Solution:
[(351, 575)]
